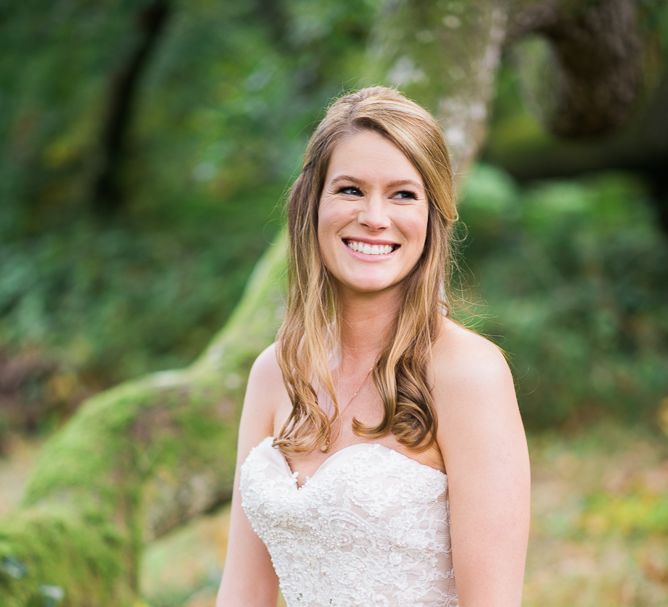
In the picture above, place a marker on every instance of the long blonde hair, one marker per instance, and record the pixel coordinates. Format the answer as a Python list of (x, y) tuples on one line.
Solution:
[(310, 330)]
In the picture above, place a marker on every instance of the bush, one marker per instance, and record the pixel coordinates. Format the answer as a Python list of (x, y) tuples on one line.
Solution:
[(573, 277)]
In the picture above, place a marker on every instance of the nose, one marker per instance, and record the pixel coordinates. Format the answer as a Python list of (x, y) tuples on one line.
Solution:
[(373, 214)]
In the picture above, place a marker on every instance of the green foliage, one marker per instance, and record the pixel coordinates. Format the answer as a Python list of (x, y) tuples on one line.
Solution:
[(572, 273), (222, 115), (116, 301), (54, 72), (28, 573), (114, 477), (225, 102), (639, 513), (573, 277), (598, 532)]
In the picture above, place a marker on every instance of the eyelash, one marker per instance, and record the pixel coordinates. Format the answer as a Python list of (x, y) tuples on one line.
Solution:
[(411, 195)]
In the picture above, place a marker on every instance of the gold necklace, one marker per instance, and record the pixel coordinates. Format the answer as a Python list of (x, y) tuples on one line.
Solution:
[(325, 448)]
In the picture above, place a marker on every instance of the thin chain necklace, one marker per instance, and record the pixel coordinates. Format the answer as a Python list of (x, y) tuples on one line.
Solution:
[(325, 448)]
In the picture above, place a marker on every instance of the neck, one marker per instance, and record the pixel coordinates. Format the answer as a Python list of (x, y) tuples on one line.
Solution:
[(366, 325)]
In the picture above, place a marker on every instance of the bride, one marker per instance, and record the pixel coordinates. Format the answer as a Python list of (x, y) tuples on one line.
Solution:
[(382, 459)]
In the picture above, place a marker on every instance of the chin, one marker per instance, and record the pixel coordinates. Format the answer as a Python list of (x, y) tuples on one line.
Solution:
[(369, 287)]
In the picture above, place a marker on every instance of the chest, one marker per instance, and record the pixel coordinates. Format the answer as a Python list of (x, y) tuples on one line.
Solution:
[(305, 465)]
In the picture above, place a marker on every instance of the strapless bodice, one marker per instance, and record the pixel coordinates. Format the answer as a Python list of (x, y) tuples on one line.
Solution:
[(370, 528)]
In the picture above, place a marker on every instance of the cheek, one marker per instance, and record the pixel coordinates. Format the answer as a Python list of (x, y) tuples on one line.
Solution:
[(331, 219), (324, 230), (419, 226)]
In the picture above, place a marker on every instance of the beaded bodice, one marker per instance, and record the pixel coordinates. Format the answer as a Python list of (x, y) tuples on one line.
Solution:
[(370, 528)]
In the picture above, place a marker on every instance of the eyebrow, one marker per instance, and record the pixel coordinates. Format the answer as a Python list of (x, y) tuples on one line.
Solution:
[(395, 183)]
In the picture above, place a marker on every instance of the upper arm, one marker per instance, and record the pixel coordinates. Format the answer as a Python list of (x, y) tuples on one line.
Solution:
[(248, 577), (482, 440)]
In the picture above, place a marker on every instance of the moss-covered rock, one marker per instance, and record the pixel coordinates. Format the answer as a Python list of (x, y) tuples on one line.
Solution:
[(133, 463)]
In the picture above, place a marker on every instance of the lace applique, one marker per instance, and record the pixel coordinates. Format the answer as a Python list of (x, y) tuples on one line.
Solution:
[(370, 527)]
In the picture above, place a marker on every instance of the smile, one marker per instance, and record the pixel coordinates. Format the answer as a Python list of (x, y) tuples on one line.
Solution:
[(370, 249)]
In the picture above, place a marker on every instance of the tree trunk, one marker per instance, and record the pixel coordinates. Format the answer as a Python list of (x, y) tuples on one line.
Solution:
[(107, 196), (588, 82), (444, 55)]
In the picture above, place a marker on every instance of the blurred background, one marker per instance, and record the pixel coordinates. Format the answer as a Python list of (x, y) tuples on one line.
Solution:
[(145, 151)]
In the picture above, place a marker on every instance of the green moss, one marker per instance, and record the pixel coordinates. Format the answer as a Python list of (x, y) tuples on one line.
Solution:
[(102, 482), (42, 550)]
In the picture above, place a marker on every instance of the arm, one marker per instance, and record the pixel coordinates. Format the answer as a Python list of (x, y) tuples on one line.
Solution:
[(249, 579), (484, 448)]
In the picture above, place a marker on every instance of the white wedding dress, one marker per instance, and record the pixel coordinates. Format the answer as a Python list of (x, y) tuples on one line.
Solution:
[(370, 528)]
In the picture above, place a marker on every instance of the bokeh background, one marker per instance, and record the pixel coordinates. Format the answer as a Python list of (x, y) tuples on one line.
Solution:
[(145, 151)]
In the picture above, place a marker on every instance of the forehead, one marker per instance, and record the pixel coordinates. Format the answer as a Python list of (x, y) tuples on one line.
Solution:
[(368, 156)]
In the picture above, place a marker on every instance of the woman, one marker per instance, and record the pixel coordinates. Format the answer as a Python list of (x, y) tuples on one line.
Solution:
[(381, 454)]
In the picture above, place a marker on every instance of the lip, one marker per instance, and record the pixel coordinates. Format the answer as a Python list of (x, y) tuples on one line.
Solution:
[(365, 256), (370, 241)]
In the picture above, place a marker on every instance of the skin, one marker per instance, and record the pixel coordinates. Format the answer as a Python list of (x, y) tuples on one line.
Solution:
[(480, 444), (361, 202)]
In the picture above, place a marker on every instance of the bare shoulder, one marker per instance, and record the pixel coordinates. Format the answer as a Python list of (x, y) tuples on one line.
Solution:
[(474, 395), (461, 356), (265, 369), (263, 392)]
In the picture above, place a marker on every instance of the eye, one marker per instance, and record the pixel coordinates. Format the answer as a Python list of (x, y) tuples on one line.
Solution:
[(350, 190), (406, 195)]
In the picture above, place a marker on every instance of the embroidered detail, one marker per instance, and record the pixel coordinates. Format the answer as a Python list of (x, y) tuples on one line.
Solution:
[(370, 527)]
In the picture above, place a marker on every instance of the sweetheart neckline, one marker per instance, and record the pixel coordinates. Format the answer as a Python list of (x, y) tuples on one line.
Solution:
[(294, 474)]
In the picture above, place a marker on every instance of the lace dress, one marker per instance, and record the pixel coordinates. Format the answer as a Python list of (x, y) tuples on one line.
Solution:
[(370, 528)]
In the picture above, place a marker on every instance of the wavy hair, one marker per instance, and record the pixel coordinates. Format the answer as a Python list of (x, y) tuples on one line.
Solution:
[(310, 330)]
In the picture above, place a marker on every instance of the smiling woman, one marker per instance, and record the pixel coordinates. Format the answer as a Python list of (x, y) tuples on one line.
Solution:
[(381, 458), (371, 226)]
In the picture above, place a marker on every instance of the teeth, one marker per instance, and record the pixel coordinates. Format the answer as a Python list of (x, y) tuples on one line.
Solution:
[(369, 249)]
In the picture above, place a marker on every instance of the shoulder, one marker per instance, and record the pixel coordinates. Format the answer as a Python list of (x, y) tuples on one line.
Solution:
[(265, 368), (474, 393), (265, 384), (461, 357)]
